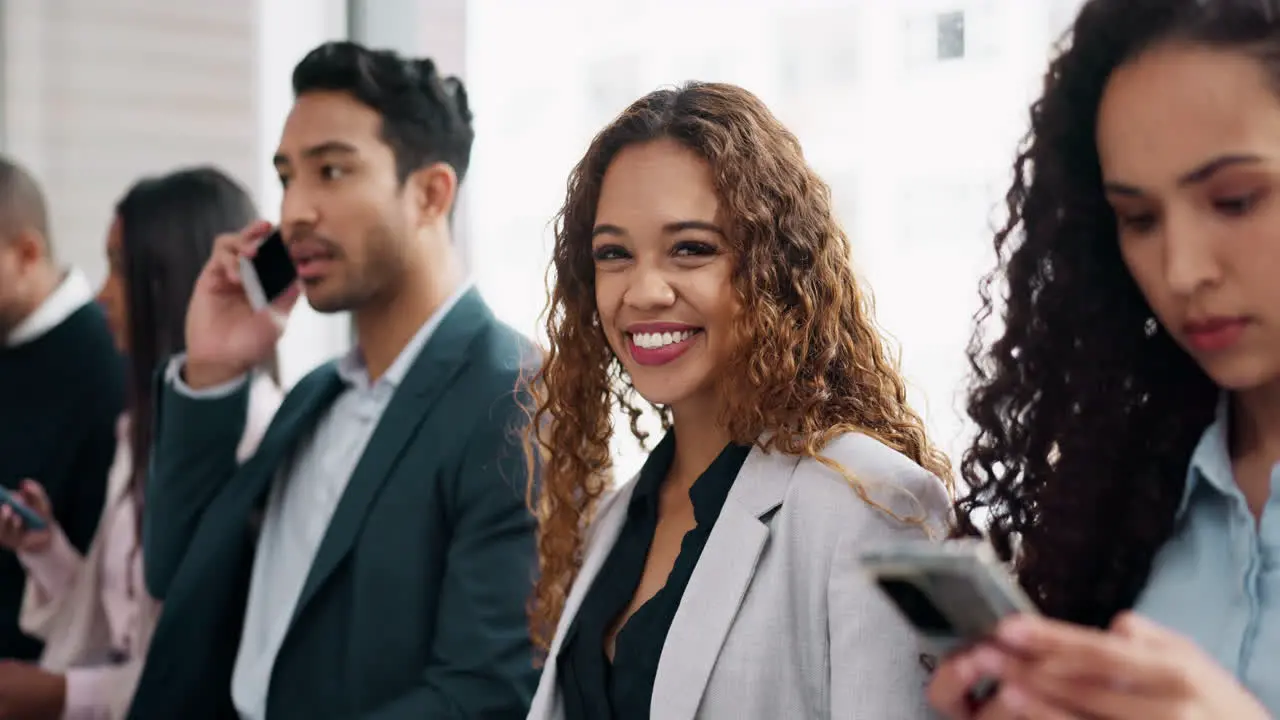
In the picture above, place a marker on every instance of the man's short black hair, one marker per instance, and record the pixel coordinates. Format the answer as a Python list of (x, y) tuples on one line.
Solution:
[(425, 117)]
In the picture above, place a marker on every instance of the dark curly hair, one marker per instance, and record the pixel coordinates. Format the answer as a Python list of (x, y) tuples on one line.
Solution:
[(1087, 412), (816, 367)]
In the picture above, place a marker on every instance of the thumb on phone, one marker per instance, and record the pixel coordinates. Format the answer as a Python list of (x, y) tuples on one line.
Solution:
[(34, 496)]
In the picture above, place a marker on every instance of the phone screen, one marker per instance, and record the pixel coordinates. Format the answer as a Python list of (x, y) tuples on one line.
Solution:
[(273, 266)]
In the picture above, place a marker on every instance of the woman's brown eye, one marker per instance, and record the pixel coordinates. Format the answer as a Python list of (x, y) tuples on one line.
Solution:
[(608, 252), (693, 248), (1236, 205)]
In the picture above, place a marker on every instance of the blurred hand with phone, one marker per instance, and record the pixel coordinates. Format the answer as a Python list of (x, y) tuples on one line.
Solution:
[(1045, 668), (226, 334), (28, 527)]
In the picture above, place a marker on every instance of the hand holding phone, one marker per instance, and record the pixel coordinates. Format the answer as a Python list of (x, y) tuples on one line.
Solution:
[(24, 518), (269, 272), (954, 594), (239, 306)]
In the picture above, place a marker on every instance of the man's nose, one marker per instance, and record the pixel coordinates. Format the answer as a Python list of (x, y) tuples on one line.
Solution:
[(297, 207)]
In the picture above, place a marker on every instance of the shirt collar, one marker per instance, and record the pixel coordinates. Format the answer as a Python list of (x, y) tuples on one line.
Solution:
[(708, 493), (73, 293), (1211, 460), (352, 369), (655, 469)]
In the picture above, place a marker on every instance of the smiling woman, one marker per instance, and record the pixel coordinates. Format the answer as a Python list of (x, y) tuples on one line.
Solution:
[(699, 270), (663, 276)]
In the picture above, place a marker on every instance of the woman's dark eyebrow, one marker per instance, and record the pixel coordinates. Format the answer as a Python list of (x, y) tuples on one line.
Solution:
[(670, 228), (1192, 177)]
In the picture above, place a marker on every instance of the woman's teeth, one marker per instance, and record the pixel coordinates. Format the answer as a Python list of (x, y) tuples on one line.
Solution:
[(652, 341)]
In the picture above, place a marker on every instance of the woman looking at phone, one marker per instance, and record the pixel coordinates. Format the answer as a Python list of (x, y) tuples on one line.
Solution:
[(698, 269), (93, 612), (1129, 450)]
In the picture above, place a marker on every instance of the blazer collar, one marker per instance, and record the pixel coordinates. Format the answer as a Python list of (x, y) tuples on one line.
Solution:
[(431, 373), (719, 583), (431, 370), (351, 367), (762, 483), (602, 534)]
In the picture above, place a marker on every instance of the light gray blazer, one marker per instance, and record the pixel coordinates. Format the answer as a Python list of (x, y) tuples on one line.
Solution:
[(778, 621)]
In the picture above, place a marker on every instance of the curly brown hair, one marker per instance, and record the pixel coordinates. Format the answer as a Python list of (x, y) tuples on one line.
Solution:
[(1087, 410), (816, 367)]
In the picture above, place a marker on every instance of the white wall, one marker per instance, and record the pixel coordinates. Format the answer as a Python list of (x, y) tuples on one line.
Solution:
[(422, 28), (100, 92), (415, 28), (97, 93), (286, 31)]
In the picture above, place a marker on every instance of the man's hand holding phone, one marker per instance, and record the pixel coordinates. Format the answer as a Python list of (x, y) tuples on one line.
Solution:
[(26, 518), (226, 335)]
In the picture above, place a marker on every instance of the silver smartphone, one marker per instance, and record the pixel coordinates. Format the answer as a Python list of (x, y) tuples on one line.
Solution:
[(952, 593), (269, 272)]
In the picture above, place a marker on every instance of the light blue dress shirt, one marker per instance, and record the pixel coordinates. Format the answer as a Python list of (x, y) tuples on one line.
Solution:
[(1217, 580)]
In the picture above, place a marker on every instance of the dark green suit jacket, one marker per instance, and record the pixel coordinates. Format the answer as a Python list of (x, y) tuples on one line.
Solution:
[(415, 604)]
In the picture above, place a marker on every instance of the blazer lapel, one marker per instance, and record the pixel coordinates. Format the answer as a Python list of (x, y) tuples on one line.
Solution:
[(439, 362), (605, 533), (718, 585), (610, 518), (290, 422)]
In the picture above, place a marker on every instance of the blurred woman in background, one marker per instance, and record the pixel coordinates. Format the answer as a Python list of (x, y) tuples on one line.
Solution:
[(698, 268), (1129, 448), (93, 612)]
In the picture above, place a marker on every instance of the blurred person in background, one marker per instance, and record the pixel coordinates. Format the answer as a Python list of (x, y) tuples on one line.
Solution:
[(93, 610), (61, 387), (374, 558), (1128, 456), (699, 270)]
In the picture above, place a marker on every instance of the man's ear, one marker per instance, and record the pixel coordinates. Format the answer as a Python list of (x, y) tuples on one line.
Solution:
[(434, 187), (30, 246)]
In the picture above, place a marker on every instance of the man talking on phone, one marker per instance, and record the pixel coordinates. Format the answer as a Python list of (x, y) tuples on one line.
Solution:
[(373, 559)]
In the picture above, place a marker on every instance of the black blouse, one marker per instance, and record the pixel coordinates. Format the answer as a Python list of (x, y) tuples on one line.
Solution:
[(592, 687)]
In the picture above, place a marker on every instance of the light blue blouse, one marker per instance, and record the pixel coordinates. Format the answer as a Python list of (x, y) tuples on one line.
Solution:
[(1217, 580)]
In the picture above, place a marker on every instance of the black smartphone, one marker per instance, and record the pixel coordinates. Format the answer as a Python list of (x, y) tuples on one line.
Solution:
[(269, 272)]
